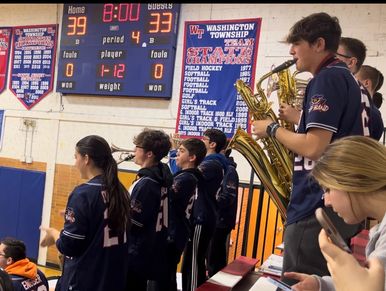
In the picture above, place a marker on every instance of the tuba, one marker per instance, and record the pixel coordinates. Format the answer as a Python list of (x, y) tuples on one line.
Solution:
[(125, 154), (128, 155), (274, 171), (267, 173)]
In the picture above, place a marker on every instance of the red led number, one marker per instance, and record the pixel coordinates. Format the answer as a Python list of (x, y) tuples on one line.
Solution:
[(161, 22), (69, 70), (77, 25), (158, 71), (118, 71), (135, 35), (122, 12)]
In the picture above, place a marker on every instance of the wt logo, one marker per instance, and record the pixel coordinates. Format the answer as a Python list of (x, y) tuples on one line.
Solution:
[(194, 29)]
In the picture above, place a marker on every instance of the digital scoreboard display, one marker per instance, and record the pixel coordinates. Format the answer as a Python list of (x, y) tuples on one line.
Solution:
[(118, 49)]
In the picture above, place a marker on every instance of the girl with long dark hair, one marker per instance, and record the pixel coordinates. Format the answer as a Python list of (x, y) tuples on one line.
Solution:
[(97, 220)]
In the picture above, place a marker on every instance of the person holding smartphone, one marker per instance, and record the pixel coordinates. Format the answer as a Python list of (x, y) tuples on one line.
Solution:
[(352, 173), (347, 273)]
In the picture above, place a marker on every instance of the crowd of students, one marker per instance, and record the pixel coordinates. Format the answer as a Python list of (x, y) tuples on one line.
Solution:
[(147, 228)]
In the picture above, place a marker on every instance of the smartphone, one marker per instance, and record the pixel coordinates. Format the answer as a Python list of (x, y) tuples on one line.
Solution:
[(281, 285), (330, 229)]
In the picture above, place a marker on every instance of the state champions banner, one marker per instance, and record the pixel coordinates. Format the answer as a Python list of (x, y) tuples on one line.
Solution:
[(215, 55), (33, 62), (5, 41)]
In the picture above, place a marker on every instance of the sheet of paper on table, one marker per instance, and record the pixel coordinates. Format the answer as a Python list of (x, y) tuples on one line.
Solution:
[(262, 284), (273, 265), (225, 279)]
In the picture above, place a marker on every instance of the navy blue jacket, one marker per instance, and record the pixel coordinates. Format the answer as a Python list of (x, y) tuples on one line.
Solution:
[(91, 250), (227, 197), (24, 284), (373, 118), (333, 102), (204, 208), (181, 200), (148, 234)]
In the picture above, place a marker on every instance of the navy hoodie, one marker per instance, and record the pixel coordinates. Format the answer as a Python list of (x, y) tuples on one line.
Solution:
[(181, 200), (204, 208), (227, 197), (91, 251), (148, 234)]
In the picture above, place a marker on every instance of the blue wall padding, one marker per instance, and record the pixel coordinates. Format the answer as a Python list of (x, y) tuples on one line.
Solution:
[(21, 204)]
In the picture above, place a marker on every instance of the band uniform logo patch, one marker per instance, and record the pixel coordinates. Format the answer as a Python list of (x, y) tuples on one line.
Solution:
[(70, 215), (318, 103), (136, 206)]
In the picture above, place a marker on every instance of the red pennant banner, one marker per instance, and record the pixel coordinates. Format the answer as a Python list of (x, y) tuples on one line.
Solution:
[(33, 62), (5, 41)]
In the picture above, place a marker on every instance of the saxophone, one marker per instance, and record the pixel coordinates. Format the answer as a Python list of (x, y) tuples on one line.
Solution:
[(274, 172), (268, 175)]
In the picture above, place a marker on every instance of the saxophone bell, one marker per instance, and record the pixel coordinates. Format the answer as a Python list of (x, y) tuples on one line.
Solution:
[(272, 83)]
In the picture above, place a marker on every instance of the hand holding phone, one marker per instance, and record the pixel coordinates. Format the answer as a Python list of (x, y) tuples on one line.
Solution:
[(330, 229), (282, 286), (347, 273)]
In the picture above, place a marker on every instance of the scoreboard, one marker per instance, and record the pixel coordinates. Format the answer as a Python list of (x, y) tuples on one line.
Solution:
[(118, 49)]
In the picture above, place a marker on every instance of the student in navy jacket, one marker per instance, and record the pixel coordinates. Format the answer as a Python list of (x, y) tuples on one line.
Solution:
[(148, 265), (225, 217), (97, 221), (352, 52), (24, 274), (183, 193), (204, 209)]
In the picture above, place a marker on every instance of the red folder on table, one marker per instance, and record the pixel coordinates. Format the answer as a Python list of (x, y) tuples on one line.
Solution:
[(230, 275)]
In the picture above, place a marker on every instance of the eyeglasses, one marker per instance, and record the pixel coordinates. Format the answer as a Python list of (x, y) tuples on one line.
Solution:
[(325, 191), (344, 56)]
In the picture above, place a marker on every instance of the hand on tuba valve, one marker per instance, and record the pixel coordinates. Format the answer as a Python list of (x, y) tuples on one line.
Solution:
[(125, 155)]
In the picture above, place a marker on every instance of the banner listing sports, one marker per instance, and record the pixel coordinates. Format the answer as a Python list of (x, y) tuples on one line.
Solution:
[(33, 62), (216, 54), (5, 40)]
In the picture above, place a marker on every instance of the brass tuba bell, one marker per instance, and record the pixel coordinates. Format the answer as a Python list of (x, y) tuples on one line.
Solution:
[(300, 89), (126, 155)]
